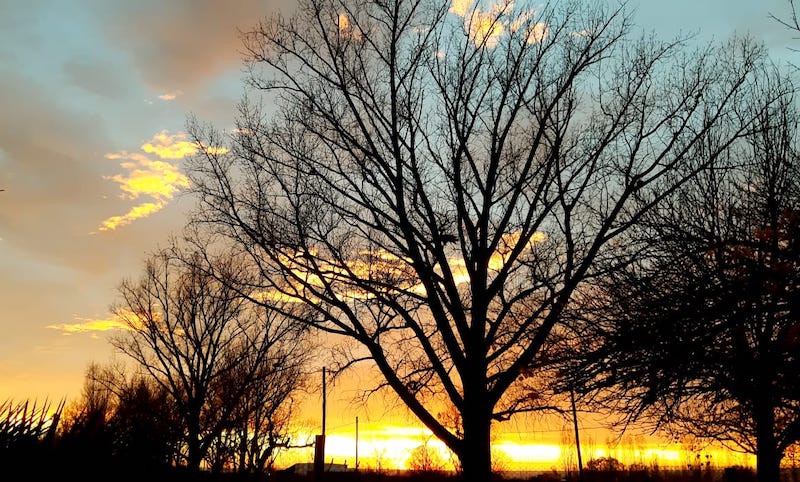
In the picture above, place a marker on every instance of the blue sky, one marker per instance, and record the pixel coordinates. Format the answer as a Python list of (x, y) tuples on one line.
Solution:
[(85, 87)]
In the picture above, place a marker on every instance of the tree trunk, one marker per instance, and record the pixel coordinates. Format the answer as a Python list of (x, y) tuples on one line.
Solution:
[(194, 456), (768, 462), (768, 458), (476, 452)]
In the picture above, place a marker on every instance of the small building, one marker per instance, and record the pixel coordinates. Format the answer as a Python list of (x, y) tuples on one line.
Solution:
[(308, 468)]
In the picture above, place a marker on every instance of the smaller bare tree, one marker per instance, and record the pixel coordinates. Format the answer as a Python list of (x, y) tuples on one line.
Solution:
[(205, 344), (424, 458)]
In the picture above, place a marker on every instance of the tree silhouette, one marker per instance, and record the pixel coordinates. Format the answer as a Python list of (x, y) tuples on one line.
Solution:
[(437, 184), (703, 331), (424, 458), (211, 350), (119, 424)]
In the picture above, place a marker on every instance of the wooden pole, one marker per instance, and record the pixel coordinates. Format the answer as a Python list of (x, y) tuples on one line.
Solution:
[(577, 436), (319, 443), (356, 443), (324, 401)]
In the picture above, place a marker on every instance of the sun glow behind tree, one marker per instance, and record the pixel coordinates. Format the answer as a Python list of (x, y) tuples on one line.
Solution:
[(390, 447)]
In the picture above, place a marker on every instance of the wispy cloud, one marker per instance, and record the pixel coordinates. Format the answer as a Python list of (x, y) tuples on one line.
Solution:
[(486, 27), (170, 95), (137, 212)]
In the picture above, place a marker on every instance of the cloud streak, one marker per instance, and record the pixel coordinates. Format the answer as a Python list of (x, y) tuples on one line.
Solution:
[(89, 325), (170, 95)]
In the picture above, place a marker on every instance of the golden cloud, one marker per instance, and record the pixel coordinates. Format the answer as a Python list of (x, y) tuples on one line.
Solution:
[(535, 32), (89, 325), (507, 244), (460, 7), (170, 146), (344, 22), (345, 29), (485, 28), (160, 180), (397, 270), (145, 177), (137, 212)]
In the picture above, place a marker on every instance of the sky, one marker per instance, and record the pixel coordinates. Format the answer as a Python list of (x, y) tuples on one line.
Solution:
[(94, 99)]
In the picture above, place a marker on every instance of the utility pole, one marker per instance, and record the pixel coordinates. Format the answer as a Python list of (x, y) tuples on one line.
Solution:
[(356, 443), (577, 437), (319, 442), (324, 401)]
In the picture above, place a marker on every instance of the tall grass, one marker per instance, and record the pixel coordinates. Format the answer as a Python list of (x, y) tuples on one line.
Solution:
[(28, 423), (28, 439)]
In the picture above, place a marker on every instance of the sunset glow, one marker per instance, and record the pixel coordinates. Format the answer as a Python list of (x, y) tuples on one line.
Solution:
[(383, 262), (449, 208), (391, 446)]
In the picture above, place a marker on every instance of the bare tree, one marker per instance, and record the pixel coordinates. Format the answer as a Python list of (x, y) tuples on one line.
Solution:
[(702, 333), (424, 458), (260, 423), (206, 344), (436, 183), (122, 420), (791, 22)]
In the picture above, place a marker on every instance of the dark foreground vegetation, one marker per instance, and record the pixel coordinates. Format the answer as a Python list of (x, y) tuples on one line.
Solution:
[(38, 442)]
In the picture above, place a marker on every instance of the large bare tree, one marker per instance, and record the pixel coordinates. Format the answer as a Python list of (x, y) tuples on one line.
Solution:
[(212, 350), (435, 182)]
